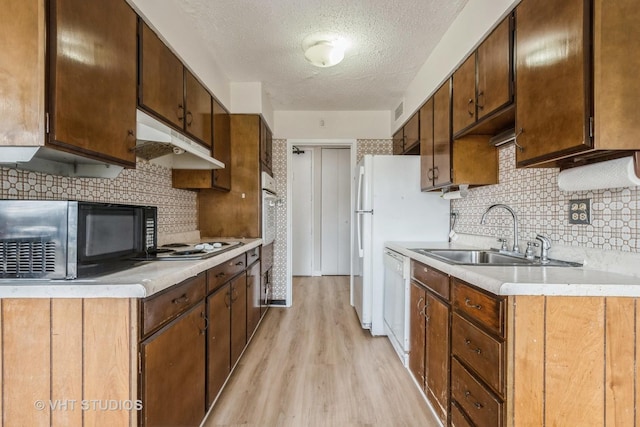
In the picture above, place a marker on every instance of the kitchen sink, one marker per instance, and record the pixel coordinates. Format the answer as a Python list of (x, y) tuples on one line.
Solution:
[(489, 257)]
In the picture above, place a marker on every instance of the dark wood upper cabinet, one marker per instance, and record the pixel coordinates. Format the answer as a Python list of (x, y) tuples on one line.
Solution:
[(170, 92), (198, 108), (22, 28), (222, 146), (412, 135), (426, 145), (483, 85), (407, 139), (442, 136), (494, 65), (92, 79), (398, 141), (576, 81), (161, 90), (266, 147), (553, 61), (464, 95)]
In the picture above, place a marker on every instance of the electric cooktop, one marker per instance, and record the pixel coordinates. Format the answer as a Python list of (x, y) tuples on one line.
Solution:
[(189, 251)]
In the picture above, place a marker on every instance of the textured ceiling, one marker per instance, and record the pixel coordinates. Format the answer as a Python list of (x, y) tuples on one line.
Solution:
[(261, 41)]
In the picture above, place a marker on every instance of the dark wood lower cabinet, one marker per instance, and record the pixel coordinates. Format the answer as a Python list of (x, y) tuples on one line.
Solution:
[(218, 341), (253, 297), (173, 372), (430, 325), (238, 316)]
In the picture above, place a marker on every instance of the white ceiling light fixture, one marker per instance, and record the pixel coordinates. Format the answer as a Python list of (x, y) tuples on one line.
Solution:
[(324, 54), (324, 49)]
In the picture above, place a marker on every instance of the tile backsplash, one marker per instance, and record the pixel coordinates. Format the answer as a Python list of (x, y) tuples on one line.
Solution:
[(148, 184), (543, 208)]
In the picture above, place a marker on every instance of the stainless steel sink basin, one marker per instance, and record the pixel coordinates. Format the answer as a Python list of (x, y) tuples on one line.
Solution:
[(489, 257)]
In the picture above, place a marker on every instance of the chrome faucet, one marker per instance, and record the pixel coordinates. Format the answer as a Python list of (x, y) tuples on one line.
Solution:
[(545, 245), (516, 247)]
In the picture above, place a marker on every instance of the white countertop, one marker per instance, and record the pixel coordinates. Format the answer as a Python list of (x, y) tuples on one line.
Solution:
[(523, 280), (141, 281)]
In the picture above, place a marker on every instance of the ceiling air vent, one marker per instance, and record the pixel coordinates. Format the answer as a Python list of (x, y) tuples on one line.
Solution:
[(399, 110)]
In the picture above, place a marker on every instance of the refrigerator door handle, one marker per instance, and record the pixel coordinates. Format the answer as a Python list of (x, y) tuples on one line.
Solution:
[(360, 184), (359, 225)]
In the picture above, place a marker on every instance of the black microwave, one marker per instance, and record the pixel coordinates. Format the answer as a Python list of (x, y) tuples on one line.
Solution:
[(70, 239)]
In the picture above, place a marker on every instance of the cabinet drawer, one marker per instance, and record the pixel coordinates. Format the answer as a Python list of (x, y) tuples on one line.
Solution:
[(479, 351), (221, 273), (431, 278), (486, 309), (157, 310), (482, 407), (253, 255), (457, 417)]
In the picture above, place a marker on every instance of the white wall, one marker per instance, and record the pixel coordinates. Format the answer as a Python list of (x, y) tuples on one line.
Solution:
[(337, 124), (250, 98), (475, 21)]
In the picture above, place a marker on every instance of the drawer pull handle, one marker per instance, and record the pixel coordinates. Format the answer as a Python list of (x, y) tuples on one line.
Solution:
[(206, 323), (467, 302), (418, 306), (467, 395), (239, 263), (219, 275), (180, 300), (467, 342)]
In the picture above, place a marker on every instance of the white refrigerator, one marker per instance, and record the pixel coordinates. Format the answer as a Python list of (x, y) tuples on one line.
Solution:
[(389, 206)]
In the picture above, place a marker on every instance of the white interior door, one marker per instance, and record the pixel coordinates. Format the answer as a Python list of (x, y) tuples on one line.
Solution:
[(336, 211), (302, 214)]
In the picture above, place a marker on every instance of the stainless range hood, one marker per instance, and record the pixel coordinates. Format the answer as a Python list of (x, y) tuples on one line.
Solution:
[(161, 144)]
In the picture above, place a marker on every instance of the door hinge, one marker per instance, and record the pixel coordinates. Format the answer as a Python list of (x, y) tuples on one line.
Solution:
[(46, 123), (590, 127)]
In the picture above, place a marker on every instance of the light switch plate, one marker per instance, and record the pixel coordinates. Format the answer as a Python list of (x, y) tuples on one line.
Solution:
[(580, 211)]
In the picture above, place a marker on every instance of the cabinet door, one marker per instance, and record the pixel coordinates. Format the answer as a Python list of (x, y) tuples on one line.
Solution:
[(238, 316), (221, 146), (417, 335), (198, 110), (254, 291), (426, 145), (494, 70), (552, 66), (161, 79), (437, 355), (92, 78), (22, 28), (173, 372), (442, 135), (219, 341), (398, 142), (412, 132), (464, 95), (266, 147)]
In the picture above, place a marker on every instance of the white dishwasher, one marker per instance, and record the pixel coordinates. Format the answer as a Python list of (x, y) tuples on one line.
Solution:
[(396, 301)]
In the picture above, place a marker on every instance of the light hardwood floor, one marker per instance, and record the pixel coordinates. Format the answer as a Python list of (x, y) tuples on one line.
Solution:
[(312, 365)]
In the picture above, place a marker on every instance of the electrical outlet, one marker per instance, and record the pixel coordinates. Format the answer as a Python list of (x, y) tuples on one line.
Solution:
[(580, 211)]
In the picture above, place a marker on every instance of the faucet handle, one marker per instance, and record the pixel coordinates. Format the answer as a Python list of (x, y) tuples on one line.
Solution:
[(530, 252), (504, 246)]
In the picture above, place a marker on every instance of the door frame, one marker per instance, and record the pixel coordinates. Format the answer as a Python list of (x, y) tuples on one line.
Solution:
[(352, 144)]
